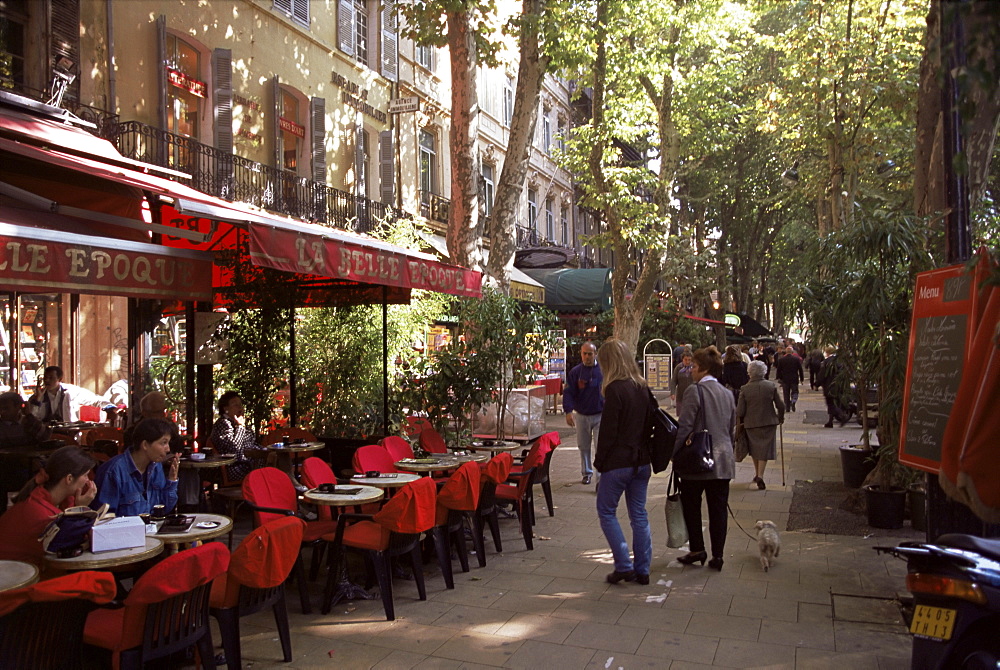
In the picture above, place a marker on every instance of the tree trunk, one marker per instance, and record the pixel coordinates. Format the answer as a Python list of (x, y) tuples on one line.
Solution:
[(530, 74), (464, 233)]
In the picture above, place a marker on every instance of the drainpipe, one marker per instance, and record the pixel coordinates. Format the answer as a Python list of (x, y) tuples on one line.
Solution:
[(112, 77)]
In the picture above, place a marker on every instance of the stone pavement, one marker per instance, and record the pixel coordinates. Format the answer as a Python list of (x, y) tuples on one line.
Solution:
[(827, 603)]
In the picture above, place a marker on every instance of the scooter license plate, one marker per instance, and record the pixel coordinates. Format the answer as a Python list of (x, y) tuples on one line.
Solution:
[(933, 622)]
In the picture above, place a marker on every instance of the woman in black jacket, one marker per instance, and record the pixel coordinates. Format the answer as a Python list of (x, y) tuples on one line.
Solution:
[(623, 460), (734, 371)]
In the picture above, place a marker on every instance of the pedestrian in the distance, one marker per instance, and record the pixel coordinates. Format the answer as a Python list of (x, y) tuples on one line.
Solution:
[(788, 371), (583, 404), (734, 371), (681, 379), (623, 460), (761, 409)]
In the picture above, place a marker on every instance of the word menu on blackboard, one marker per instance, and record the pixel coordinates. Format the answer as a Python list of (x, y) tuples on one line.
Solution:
[(939, 341)]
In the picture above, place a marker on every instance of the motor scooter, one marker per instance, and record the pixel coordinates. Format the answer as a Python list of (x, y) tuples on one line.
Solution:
[(954, 615)]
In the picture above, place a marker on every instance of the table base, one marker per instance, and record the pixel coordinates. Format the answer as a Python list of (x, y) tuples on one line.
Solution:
[(345, 590)]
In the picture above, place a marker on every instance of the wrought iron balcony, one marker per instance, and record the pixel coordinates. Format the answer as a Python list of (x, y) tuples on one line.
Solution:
[(104, 120), (434, 207), (239, 179)]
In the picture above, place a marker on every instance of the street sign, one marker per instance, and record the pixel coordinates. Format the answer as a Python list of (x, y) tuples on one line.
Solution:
[(400, 105)]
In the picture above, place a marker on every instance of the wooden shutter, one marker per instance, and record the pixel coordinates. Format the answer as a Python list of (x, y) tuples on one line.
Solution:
[(275, 113), (386, 168), (390, 63), (345, 26), (65, 41), (222, 102), (317, 116), (161, 69), (300, 11), (360, 167), (284, 6)]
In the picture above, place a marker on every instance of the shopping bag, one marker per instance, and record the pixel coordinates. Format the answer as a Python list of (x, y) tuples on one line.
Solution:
[(677, 532)]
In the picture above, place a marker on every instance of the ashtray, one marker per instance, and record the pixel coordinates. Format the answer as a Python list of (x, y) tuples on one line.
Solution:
[(207, 524), (197, 456)]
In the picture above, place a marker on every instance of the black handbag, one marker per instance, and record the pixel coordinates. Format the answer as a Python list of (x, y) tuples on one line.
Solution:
[(661, 431), (694, 456)]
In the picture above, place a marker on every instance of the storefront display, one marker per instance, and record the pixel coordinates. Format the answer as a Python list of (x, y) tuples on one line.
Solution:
[(31, 339)]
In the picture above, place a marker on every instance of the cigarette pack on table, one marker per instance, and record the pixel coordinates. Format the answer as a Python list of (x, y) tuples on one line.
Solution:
[(121, 532)]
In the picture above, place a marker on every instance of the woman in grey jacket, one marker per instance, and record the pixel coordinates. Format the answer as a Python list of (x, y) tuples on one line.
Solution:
[(761, 409), (719, 417)]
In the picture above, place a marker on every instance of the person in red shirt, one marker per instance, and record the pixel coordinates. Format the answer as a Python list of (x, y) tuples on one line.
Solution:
[(61, 482)]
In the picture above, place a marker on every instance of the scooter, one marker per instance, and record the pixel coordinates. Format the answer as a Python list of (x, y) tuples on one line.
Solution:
[(954, 615)]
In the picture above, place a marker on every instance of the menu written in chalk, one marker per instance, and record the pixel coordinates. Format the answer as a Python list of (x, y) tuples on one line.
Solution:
[(938, 356)]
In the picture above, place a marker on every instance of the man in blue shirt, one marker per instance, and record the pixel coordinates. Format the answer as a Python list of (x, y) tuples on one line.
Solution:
[(583, 404)]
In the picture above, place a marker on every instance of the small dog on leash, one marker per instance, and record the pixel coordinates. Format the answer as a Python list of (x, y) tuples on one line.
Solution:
[(768, 542)]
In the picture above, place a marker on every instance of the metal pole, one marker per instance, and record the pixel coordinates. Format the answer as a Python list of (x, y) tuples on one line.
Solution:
[(781, 434), (385, 360), (293, 408)]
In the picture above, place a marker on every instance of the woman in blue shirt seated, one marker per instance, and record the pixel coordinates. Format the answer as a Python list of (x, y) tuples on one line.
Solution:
[(144, 475)]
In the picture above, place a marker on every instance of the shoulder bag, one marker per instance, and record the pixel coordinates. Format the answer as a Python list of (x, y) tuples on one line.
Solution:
[(694, 456), (677, 532), (661, 431)]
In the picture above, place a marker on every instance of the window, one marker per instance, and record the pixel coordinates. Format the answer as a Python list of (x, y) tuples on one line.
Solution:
[(13, 28), (361, 31), (297, 10), (488, 189), (532, 209), (564, 224), (364, 151), (508, 100), (561, 134), (428, 156), (550, 220), (546, 132), (184, 103), (292, 131), (425, 57)]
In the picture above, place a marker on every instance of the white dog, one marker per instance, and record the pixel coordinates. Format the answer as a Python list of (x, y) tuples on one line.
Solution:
[(768, 542)]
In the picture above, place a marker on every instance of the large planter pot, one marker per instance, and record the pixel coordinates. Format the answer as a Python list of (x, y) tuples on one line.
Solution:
[(886, 507), (856, 462), (918, 507)]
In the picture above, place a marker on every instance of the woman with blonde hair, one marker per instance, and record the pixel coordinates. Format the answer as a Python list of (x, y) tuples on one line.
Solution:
[(623, 460)]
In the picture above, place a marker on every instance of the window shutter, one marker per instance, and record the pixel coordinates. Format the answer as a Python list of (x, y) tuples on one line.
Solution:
[(284, 6), (345, 26), (317, 116), (390, 63), (386, 168), (222, 79), (161, 69), (275, 113), (65, 41), (360, 168), (300, 11)]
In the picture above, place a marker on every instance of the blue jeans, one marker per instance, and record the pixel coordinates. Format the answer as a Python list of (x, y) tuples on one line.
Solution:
[(633, 483), (587, 428)]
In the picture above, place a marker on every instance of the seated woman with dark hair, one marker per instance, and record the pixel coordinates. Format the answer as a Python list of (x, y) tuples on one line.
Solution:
[(231, 436), (61, 482), (135, 480)]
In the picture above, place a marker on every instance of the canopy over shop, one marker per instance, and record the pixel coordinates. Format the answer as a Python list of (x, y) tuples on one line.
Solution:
[(104, 210)]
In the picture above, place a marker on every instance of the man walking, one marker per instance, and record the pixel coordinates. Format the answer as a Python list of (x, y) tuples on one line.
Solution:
[(583, 404), (831, 379), (788, 370)]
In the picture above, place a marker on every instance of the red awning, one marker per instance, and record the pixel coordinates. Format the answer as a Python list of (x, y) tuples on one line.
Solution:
[(698, 318), (37, 254)]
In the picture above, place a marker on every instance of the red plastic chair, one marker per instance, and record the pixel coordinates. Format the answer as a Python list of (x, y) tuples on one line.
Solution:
[(397, 447), (521, 494), (271, 495), (548, 449), (372, 457), (41, 626), (431, 440), (459, 495), (166, 611), (316, 471), (493, 473), (395, 530), (256, 579), (416, 425)]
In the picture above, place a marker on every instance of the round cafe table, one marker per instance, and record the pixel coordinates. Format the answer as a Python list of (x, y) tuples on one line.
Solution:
[(397, 480), (285, 461), (108, 559), (345, 590), (205, 527), (493, 446), (215, 461), (425, 466), (471, 457), (16, 575)]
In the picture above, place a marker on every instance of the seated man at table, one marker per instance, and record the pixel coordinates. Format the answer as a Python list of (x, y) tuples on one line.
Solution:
[(18, 427), (231, 436), (142, 476), (62, 482), (56, 402)]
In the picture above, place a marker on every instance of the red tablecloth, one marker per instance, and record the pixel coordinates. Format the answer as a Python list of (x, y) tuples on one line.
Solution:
[(552, 386)]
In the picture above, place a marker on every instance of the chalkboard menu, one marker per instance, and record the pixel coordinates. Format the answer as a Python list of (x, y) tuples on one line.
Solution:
[(939, 341)]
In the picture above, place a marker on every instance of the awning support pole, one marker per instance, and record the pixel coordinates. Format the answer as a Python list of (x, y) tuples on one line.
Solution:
[(385, 360), (293, 408)]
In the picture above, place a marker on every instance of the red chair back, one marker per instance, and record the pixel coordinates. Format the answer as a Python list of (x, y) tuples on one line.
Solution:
[(269, 487), (316, 471), (460, 492), (431, 440), (397, 447), (372, 457), (498, 468), (536, 455), (92, 585), (263, 560), (415, 425), (411, 509)]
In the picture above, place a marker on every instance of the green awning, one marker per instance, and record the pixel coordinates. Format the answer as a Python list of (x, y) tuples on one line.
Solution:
[(572, 290)]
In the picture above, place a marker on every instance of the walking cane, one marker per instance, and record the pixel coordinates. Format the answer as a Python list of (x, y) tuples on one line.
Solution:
[(781, 433)]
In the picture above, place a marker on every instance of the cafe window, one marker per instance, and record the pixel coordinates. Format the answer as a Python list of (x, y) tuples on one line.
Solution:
[(488, 189), (532, 209), (428, 158), (30, 339)]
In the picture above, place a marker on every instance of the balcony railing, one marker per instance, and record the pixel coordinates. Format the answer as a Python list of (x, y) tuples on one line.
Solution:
[(104, 120), (235, 178), (434, 207)]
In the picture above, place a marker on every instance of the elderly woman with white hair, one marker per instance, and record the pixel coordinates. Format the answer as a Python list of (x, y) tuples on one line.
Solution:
[(761, 410)]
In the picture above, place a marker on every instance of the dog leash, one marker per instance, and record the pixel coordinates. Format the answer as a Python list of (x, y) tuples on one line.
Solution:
[(738, 523)]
